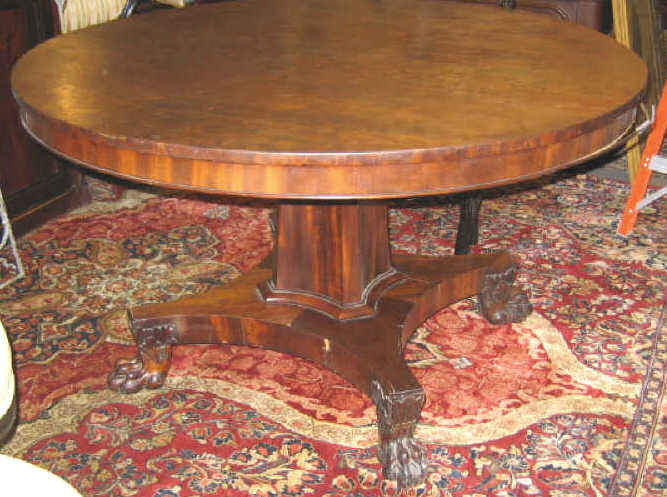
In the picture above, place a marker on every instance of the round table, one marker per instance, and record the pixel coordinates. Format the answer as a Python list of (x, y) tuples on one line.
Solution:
[(331, 107)]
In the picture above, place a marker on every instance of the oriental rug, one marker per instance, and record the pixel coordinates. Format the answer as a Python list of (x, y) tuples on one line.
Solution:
[(568, 403)]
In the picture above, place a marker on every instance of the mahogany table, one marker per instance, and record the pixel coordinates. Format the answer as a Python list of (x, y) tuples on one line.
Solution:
[(333, 107)]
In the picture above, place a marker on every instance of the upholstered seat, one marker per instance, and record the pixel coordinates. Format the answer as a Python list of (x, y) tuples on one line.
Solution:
[(22, 478), (7, 392), (18, 478)]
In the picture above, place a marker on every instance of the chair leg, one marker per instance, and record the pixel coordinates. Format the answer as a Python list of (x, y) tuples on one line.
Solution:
[(468, 231), (127, 11)]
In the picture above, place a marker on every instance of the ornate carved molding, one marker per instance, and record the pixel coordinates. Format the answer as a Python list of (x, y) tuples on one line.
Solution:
[(328, 306)]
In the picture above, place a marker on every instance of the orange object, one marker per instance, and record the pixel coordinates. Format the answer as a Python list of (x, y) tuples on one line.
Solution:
[(639, 186)]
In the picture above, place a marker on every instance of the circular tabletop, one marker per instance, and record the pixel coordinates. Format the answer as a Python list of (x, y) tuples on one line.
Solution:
[(329, 98)]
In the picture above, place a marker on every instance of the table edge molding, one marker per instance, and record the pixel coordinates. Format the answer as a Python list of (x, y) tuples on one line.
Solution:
[(300, 176)]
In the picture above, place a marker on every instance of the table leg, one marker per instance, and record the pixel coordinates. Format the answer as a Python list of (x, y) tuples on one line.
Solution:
[(468, 230), (352, 309), (398, 410)]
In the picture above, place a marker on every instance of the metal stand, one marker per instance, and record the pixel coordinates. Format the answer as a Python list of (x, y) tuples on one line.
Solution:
[(11, 264)]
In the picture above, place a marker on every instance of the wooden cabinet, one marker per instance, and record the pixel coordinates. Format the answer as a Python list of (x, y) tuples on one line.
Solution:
[(36, 184), (595, 14)]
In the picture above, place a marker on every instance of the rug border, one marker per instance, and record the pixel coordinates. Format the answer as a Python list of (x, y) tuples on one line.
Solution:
[(632, 467)]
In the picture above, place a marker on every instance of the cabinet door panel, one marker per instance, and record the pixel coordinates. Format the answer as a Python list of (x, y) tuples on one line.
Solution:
[(36, 184), (22, 161)]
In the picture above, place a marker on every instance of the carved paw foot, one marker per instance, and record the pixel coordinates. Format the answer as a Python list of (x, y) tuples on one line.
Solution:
[(130, 377), (515, 309), (500, 301), (403, 460), (150, 367)]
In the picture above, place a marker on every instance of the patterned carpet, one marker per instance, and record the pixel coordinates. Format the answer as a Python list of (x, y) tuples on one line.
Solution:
[(569, 403)]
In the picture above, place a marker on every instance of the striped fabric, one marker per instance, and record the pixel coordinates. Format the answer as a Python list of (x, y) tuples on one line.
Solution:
[(77, 14)]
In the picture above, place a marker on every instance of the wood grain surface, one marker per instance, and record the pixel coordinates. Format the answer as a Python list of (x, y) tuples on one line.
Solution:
[(329, 98)]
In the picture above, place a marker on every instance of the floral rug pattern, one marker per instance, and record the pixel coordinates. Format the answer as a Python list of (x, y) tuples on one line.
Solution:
[(568, 403)]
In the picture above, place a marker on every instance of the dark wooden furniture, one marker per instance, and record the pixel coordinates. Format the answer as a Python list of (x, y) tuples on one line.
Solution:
[(331, 107), (646, 38), (36, 185), (592, 13)]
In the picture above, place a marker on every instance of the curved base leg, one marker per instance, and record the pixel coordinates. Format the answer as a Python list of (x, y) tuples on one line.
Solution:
[(368, 352)]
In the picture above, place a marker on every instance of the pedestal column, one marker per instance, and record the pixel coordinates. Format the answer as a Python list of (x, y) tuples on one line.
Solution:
[(331, 258)]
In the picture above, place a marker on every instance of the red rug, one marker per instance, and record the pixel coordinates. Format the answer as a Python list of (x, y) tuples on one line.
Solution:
[(568, 403)]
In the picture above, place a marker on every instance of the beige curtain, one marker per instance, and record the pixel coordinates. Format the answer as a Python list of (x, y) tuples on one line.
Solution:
[(77, 14)]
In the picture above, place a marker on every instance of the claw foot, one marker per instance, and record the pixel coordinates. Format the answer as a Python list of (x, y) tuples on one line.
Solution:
[(149, 368), (500, 301), (403, 460), (130, 377)]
